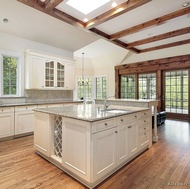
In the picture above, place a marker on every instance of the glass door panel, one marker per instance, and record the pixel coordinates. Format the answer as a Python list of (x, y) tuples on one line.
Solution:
[(176, 91)]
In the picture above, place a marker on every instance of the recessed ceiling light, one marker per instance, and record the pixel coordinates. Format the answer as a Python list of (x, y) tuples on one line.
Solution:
[(85, 19), (86, 6), (5, 20), (114, 4), (186, 4)]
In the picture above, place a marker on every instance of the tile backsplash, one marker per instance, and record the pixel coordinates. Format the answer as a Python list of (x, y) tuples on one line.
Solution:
[(48, 95), (33, 96)]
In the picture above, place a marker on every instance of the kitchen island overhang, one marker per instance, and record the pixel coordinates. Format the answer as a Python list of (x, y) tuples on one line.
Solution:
[(88, 143)]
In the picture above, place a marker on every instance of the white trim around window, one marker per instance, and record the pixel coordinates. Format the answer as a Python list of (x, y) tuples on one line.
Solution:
[(20, 72)]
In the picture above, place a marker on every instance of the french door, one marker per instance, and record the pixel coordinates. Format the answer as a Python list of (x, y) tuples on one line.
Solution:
[(176, 93)]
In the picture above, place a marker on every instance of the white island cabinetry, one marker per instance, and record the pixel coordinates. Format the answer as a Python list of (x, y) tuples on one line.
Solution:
[(92, 150)]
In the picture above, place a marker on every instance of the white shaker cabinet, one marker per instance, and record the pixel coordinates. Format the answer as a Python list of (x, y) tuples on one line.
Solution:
[(104, 152), (6, 122), (24, 119), (34, 72), (42, 134)]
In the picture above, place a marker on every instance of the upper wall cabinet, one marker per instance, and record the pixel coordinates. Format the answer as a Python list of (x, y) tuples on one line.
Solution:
[(45, 72)]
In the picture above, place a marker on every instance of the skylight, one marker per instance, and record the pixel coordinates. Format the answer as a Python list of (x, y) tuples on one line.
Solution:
[(86, 6)]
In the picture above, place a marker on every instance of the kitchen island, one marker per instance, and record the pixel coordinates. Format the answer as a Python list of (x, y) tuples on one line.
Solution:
[(90, 143)]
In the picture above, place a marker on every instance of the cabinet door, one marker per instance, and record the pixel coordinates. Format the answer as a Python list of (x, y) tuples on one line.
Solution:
[(34, 72), (6, 124), (76, 147), (24, 119), (42, 133), (49, 73), (123, 152), (133, 137), (60, 75), (104, 153), (70, 77)]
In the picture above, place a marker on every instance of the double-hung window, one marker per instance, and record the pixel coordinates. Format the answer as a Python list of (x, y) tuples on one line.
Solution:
[(10, 76), (101, 87)]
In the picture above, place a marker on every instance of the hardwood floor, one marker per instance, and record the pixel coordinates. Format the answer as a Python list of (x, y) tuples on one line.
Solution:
[(165, 165)]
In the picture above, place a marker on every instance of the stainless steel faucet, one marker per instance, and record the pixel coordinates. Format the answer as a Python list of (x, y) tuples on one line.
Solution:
[(105, 102)]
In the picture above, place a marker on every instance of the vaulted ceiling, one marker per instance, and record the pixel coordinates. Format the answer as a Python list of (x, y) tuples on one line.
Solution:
[(137, 25)]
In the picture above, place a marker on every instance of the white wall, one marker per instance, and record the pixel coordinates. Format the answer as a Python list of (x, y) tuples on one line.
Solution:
[(19, 45)]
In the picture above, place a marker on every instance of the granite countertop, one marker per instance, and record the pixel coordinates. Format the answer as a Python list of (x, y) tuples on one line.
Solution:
[(37, 103), (89, 112)]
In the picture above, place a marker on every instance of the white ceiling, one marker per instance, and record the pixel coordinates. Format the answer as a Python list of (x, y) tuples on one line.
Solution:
[(32, 24)]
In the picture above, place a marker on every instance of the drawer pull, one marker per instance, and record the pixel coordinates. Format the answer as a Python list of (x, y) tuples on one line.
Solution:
[(144, 128), (121, 119), (106, 124), (144, 121), (144, 113), (2, 110), (129, 127), (135, 116), (144, 133), (116, 131)]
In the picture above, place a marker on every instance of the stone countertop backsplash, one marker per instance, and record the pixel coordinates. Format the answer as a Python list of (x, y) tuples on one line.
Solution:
[(88, 112)]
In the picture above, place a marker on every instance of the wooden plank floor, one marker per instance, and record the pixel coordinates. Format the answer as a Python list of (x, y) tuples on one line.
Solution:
[(165, 165)]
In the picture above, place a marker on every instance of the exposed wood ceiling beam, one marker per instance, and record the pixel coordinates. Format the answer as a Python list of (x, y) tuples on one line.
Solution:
[(160, 37), (117, 11), (166, 46), (55, 13), (153, 22), (51, 4), (117, 42)]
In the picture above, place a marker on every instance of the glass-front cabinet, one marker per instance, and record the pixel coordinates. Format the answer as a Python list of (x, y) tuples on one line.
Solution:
[(54, 74), (46, 72)]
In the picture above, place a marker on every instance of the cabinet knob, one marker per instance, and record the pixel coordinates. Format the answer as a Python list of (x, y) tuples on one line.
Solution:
[(144, 128), (2, 110), (144, 133), (116, 131), (145, 121), (121, 119), (135, 116), (129, 127), (105, 124)]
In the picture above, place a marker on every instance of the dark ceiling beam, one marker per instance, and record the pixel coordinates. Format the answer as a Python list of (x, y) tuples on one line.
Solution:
[(160, 37), (55, 13), (166, 46), (117, 11), (51, 4), (116, 42), (154, 22)]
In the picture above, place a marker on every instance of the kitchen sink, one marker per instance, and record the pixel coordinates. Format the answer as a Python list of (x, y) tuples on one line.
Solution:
[(115, 111)]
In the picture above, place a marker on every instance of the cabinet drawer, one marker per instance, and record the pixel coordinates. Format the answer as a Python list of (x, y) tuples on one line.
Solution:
[(126, 119), (6, 109), (144, 139), (24, 108), (143, 128), (143, 114), (103, 125)]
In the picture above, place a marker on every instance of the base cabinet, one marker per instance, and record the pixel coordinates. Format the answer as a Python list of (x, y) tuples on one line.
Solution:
[(91, 151), (24, 119), (6, 122), (42, 134), (104, 153)]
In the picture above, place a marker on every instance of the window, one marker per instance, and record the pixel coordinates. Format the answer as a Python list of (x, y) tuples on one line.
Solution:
[(147, 86), (176, 91), (11, 74), (128, 87), (84, 88), (101, 87)]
